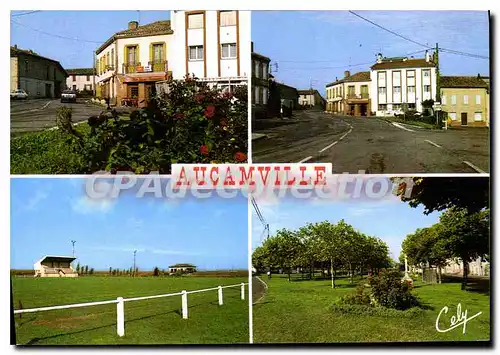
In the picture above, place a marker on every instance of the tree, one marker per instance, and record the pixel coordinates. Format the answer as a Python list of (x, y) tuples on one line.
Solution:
[(86, 269), (283, 250), (91, 272), (465, 235), (78, 268), (156, 271), (110, 270), (437, 194), (327, 240)]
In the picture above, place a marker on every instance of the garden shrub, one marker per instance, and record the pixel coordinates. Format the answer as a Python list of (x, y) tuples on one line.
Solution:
[(192, 124), (361, 296), (388, 291)]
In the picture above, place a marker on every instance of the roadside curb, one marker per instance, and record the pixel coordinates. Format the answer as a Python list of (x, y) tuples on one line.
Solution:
[(258, 136)]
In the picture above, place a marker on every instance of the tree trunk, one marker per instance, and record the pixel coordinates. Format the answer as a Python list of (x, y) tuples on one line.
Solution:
[(439, 274), (333, 278), (465, 273)]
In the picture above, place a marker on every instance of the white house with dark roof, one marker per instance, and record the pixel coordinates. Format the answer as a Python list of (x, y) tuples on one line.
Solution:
[(80, 79), (397, 82)]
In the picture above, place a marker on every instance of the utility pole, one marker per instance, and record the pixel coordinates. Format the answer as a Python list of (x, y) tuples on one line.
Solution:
[(438, 85), (135, 251), (73, 242)]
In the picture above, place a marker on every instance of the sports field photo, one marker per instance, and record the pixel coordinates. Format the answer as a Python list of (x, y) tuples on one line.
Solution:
[(128, 270)]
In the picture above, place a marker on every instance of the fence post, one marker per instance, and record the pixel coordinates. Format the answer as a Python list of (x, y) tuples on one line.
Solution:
[(120, 317), (221, 302), (184, 304), (242, 290)]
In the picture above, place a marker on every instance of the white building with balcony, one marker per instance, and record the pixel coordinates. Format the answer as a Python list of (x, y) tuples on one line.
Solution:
[(214, 46), (349, 96), (130, 62), (399, 82)]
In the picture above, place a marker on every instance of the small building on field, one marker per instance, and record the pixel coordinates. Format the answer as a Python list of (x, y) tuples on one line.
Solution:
[(55, 266), (181, 268)]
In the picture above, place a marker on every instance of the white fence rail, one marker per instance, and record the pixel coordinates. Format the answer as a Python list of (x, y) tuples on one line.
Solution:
[(120, 304)]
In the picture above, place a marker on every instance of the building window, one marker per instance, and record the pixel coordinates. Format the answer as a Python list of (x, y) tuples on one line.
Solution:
[(453, 116), (195, 53), (443, 99), (427, 88), (158, 53), (396, 107), (427, 73), (410, 74), (382, 91), (351, 91), (112, 57), (134, 91), (478, 99), (411, 106), (453, 99), (74, 87), (132, 55), (382, 107), (478, 116), (411, 89), (229, 52), (466, 99), (228, 18), (264, 70), (261, 95), (74, 77), (397, 89), (88, 77), (195, 21)]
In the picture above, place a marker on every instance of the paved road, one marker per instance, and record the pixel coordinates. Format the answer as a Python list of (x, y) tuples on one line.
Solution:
[(353, 144), (39, 114)]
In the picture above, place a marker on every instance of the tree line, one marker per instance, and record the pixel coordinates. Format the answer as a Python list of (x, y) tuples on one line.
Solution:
[(332, 247), (459, 233)]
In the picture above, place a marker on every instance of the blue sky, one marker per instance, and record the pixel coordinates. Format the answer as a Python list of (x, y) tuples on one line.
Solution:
[(322, 44), (93, 26), (46, 214), (388, 219)]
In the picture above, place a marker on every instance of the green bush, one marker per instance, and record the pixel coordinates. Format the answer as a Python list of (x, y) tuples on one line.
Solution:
[(388, 291), (379, 311), (361, 296)]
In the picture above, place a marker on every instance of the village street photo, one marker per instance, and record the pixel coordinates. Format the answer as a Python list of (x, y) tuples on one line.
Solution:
[(137, 91), (372, 91), (127, 270), (405, 268)]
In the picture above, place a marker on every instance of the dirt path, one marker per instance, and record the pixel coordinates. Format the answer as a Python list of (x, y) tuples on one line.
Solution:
[(259, 289)]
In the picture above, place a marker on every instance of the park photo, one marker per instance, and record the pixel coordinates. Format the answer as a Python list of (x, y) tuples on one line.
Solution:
[(128, 270), (411, 267)]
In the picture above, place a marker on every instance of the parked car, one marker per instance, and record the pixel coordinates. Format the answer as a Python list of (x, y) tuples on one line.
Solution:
[(68, 96), (18, 94)]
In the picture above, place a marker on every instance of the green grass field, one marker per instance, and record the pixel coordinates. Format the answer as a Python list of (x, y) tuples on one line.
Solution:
[(300, 312), (156, 321)]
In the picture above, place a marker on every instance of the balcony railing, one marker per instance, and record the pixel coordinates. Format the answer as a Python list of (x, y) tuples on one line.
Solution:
[(363, 95), (152, 67)]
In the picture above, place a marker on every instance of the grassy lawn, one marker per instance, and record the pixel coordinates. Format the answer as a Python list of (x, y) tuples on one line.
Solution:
[(156, 321), (411, 122), (44, 152), (300, 312)]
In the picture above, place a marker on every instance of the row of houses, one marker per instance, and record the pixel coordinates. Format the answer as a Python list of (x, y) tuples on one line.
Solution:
[(211, 45), (398, 84)]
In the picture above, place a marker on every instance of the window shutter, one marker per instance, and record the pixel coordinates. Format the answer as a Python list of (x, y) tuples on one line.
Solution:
[(195, 21)]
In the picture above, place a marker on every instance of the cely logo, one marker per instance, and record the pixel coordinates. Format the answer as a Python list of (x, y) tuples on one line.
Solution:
[(455, 321)]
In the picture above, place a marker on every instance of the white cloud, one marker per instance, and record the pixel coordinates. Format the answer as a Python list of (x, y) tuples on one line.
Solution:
[(85, 205), (33, 202)]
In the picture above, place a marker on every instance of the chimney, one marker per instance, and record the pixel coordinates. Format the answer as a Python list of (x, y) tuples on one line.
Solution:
[(427, 56), (15, 46), (132, 25), (379, 58), (478, 75), (251, 46), (347, 73)]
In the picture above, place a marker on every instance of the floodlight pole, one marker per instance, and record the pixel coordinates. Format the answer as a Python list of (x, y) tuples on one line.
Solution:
[(135, 251), (73, 242)]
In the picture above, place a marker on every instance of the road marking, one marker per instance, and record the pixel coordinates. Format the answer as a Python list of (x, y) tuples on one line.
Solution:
[(328, 146), (474, 167), (74, 124), (304, 160), (434, 144), (402, 127), (47, 104)]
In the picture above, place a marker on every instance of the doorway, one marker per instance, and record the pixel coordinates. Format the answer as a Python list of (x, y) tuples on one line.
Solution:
[(464, 118)]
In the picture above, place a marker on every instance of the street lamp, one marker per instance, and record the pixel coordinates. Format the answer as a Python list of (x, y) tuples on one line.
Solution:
[(135, 252)]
